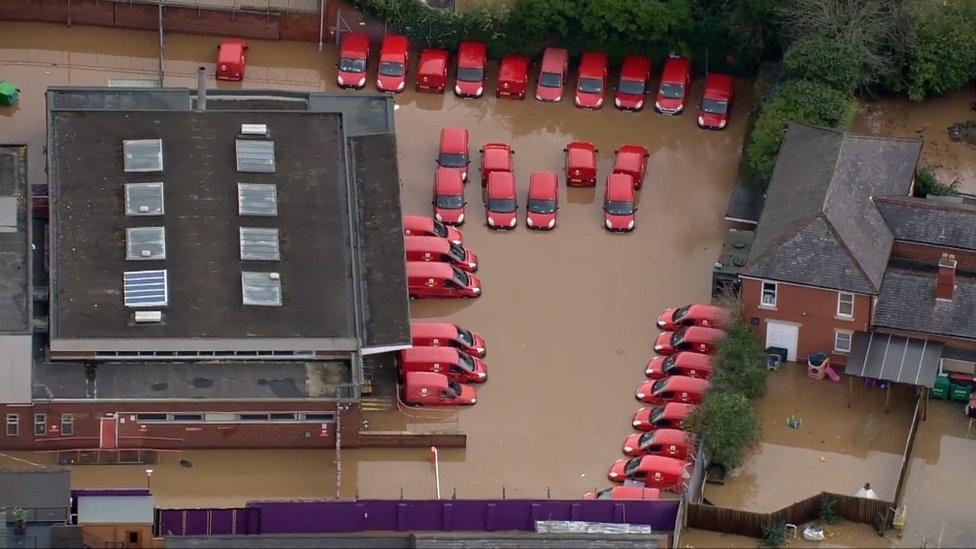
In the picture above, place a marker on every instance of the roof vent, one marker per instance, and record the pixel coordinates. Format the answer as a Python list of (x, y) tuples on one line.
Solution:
[(256, 130), (144, 317)]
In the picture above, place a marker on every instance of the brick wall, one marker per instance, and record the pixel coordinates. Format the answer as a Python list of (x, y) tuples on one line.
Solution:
[(930, 255)]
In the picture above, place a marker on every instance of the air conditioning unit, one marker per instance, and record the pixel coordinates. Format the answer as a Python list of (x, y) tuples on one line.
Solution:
[(254, 130), (143, 317)]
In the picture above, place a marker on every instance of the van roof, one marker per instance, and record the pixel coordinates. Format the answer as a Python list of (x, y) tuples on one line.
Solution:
[(686, 358), (429, 269), (581, 154), (635, 67), (593, 64), (672, 436), (415, 380), (451, 135), (354, 44), (554, 59), (432, 61), (701, 333), (686, 383), (718, 86), (514, 67), (543, 184), (679, 409), (472, 54), (436, 244), (395, 46), (675, 69), (620, 187), (425, 327), (501, 185), (666, 465), (428, 354), (448, 181)]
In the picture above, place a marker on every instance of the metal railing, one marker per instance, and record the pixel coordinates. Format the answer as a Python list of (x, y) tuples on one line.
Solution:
[(305, 6)]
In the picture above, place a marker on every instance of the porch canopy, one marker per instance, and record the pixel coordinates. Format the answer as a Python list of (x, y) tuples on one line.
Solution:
[(894, 358)]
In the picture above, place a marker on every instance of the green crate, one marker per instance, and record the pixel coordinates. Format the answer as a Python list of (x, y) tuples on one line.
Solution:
[(960, 391), (941, 388)]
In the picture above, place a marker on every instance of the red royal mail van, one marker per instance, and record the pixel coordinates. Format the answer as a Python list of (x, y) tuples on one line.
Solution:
[(580, 164), (426, 279), (663, 473), (454, 363), (432, 71), (672, 95), (471, 69), (684, 363), (433, 334), (631, 160), (634, 75), (695, 314), (713, 112), (501, 202), (543, 201), (688, 390), (424, 226), (552, 75), (673, 443), (435, 248), (619, 209), (670, 415), (430, 389), (625, 493), (231, 60), (692, 338), (392, 73), (448, 196), (495, 157), (513, 76), (353, 56), (453, 150), (592, 81)]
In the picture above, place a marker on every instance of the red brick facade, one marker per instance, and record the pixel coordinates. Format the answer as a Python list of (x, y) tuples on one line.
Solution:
[(930, 255)]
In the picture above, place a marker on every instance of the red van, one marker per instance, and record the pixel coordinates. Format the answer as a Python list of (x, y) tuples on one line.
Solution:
[(434, 334), (513, 77), (453, 151), (454, 363), (432, 71), (663, 473), (543, 202), (435, 248), (667, 416), (632, 88), (424, 226), (672, 95), (631, 160), (552, 75), (689, 390), (618, 203), (592, 80), (353, 56), (692, 338), (695, 314), (501, 202), (472, 57), (426, 279), (231, 60), (495, 157), (448, 196), (580, 164), (392, 74), (673, 443), (684, 363), (713, 111), (625, 493), (430, 389)]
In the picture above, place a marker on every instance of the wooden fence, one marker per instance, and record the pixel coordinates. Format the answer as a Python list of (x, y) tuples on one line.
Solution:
[(747, 523), (906, 457)]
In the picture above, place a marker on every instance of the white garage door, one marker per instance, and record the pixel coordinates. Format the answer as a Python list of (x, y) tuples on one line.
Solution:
[(781, 334)]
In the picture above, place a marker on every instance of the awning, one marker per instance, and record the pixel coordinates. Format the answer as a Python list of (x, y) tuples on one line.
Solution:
[(894, 358)]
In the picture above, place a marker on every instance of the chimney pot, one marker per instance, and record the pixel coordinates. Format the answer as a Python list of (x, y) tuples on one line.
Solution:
[(945, 283)]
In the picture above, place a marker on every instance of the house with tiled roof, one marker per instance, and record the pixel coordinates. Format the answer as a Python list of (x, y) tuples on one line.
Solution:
[(847, 262)]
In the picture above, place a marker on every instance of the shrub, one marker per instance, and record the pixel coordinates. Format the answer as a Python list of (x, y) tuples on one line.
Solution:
[(740, 363), (926, 183), (727, 421), (822, 59), (941, 42), (774, 535), (828, 511)]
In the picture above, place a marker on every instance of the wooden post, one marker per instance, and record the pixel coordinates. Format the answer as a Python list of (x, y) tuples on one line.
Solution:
[(850, 390), (925, 402), (888, 397)]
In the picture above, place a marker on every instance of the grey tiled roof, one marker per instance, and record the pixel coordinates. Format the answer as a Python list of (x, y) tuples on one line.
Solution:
[(819, 226), (907, 302), (930, 222)]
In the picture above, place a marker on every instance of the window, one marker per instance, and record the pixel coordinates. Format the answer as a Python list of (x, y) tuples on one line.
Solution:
[(142, 418), (13, 425), (67, 425), (40, 424), (842, 341), (768, 295), (845, 304), (187, 417)]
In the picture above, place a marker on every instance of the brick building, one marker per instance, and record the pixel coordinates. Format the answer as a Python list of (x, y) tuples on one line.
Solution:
[(213, 274)]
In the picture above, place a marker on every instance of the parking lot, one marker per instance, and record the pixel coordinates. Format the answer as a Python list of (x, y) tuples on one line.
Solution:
[(568, 315)]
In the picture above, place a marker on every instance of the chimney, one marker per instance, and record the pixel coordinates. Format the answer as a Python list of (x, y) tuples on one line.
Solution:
[(945, 284), (201, 89)]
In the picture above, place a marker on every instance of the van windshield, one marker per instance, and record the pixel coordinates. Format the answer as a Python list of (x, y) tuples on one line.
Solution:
[(620, 208), (668, 364), (714, 107), (440, 229), (452, 160), (465, 74), (605, 494), (672, 91), (646, 439), (501, 205), (391, 68), (457, 252), (678, 338), (465, 337), (632, 466), (659, 386), (680, 314), (550, 80), (631, 87), (657, 414), (591, 85), (541, 206), (449, 202), (465, 361), (461, 277), (454, 387), (352, 65)]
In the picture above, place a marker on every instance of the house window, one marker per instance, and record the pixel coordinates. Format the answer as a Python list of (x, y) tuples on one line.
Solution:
[(40, 424), (13, 425), (845, 304), (67, 425), (768, 295), (842, 341)]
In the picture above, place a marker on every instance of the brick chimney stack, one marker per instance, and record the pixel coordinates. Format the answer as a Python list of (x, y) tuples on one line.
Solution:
[(945, 284)]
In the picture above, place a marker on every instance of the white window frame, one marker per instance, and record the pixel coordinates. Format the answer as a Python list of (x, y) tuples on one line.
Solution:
[(850, 341), (67, 425), (13, 420), (762, 295), (40, 420), (840, 301)]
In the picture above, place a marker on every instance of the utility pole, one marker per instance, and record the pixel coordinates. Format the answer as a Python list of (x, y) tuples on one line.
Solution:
[(159, 3), (321, 21)]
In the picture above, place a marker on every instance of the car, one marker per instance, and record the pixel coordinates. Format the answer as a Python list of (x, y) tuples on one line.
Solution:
[(673, 443), (435, 248), (432, 334), (618, 203), (430, 389), (472, 57), (552, 75), (501, 202), (427, 279), (513, 77), (592, 81), (495, 157), (632, 87), (625, 493), (666, 416), (631, 160), (353, 56), (392, 73), (425, 226), (716, 103), (231, 60), (452, 153), (692, 338), (448, 196), (432, 71), (689, 390), (684, 363), (580, 164), (663, 473), (456, 364), (543, 201), (672, 94), (695, 314)]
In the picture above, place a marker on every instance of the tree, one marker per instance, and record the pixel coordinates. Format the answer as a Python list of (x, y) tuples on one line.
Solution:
[(831, 62), (728, 423), (926, 183), (740, 363), (940, 55)]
